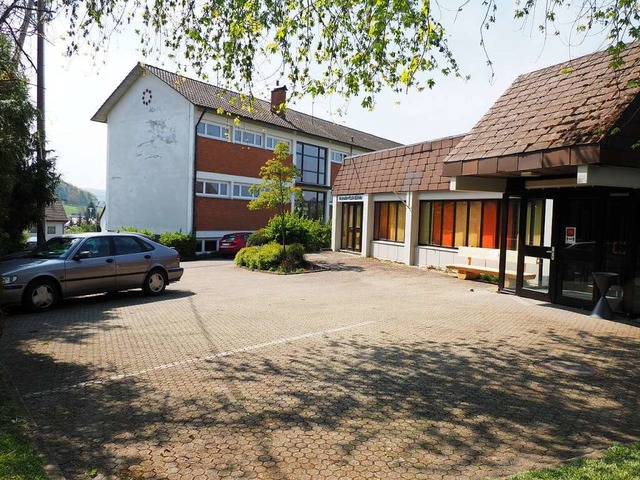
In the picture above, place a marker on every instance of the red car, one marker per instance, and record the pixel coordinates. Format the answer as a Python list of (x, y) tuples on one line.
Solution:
[(231, 243)]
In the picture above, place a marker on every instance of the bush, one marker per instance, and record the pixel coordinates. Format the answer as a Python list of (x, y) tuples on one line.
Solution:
[(185, 244), (83, 228), (312, 234), (271, 257), (258, 238), (141, 231)]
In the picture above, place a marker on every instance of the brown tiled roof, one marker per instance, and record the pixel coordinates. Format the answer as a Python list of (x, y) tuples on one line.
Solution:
[(55, 212), (573, 103), (404, 169), (212, 97)]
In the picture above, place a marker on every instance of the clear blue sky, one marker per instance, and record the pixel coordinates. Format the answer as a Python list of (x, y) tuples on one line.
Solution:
[(77, 87)]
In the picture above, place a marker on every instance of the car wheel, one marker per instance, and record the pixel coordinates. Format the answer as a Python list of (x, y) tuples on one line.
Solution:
[(41, 295), (155, 282)]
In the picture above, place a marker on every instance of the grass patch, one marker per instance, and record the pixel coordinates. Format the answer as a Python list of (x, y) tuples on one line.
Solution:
[(618, 463), (18, 457)]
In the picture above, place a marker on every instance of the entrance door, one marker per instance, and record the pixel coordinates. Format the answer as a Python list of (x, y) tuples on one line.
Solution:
[(536, 255), (352, 226), (593, 237)]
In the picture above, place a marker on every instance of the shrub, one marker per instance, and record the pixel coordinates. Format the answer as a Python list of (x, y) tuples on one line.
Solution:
[(141, 231), (259, 237), (83, 228), (185, 244), (312, 234), (319, 235), (271, 257), (296, 231)]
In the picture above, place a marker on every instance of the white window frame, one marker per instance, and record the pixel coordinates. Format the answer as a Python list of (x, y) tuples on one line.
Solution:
[(338, 152), (225, 132), (212, 195), (200, 250), (242, 131), (240, 185), (275, 141)]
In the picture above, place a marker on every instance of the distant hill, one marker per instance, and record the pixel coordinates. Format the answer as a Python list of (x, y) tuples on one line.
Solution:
[(101, 195), (70, 195)]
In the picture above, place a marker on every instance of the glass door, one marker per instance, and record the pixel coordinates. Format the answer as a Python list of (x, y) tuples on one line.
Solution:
[(536, 255), (352, 226), (579, 249)]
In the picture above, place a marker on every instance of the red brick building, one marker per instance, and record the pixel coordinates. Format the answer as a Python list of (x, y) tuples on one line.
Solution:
[(182, 154)]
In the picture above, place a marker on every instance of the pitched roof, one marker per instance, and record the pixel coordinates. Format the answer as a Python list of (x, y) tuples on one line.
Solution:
[(574, 103), (55, 212), (212, 97), (404, 169)]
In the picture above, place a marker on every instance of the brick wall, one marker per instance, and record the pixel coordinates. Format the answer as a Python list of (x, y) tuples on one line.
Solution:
[(228, 214), (230, 158)]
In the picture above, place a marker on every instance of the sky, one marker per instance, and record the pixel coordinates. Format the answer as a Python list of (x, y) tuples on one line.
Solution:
[(77, 87)]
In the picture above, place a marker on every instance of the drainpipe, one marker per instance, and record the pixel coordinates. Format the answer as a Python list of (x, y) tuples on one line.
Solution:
[(195, 173)]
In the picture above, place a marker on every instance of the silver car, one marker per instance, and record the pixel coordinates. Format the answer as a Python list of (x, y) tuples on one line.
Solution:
[(83, 264)]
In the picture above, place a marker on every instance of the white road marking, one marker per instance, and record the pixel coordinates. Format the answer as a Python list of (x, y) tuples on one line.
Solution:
[(112, 378)]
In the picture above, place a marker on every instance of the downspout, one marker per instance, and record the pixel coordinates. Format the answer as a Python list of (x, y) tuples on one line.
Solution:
[(195, 173)]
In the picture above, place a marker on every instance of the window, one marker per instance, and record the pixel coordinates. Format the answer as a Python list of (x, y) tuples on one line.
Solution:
[(98, 246), (128, 245), (337, 157), (389, 219), (212, 188), (312, 162), (459, 223), (272, 141), (314, 204), (213, 130), (248, 138), (51, 230), (241, 190), (206, 246)]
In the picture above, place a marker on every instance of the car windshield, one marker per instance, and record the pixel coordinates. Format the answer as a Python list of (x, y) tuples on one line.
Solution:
[(54, 248)]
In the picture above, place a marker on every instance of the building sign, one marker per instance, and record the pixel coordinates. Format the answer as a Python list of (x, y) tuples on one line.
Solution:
[(350, 198), (570, 235)]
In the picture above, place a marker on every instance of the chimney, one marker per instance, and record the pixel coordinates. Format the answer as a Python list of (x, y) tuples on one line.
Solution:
[(278, 100)]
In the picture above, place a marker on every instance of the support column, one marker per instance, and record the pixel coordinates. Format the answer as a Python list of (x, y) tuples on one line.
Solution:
[(367, 224), (412, 218), (336, 225)]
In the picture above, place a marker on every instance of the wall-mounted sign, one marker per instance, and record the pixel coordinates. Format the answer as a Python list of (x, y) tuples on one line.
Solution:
[(570, 235), (350, 198)]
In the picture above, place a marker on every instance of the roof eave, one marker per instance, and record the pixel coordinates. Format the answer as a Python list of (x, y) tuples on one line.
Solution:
[(103, 112)]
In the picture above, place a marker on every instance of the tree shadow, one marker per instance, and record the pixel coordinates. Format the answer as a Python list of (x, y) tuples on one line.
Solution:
[(354, 405)]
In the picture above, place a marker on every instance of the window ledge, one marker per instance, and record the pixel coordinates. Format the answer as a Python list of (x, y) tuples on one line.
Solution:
[(439, 249), (389, 242)]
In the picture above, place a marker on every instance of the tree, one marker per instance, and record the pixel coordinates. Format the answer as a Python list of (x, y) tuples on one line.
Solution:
[(25, 184), (276, 190), (349, 47)]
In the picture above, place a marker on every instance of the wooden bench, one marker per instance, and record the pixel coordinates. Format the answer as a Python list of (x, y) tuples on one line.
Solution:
[(469, 272)]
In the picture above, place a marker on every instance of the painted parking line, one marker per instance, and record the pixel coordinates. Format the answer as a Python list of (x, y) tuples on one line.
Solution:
[(165, 366)]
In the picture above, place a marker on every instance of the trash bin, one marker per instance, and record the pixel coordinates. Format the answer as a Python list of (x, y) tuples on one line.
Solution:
[(604, 281)]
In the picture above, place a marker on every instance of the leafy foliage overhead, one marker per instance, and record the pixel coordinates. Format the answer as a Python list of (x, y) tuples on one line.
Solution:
[(349, 47)]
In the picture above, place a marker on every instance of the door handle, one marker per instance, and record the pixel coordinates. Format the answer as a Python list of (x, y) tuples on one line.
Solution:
[(147, 257), (109, 260), (552, 252)]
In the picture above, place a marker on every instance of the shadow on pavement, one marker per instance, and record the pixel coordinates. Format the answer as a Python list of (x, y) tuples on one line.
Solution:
[(474, 408)]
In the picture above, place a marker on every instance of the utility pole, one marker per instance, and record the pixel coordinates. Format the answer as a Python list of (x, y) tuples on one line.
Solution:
[(40, 91)]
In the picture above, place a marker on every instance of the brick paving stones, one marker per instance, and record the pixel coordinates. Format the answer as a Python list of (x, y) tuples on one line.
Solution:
[(366, 370)]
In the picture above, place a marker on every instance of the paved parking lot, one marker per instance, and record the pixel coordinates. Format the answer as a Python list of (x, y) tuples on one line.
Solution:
[(367, 370)]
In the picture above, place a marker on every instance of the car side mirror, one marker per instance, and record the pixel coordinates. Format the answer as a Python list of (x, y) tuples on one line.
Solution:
[(82, 255)]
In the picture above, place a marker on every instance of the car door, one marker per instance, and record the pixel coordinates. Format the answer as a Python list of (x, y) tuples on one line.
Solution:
[(92, 274), (133, 257)]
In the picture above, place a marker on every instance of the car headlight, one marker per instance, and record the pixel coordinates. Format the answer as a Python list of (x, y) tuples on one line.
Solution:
[(8, 280)]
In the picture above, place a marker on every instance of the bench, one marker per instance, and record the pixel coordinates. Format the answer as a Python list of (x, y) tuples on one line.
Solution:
[(469, 272)]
